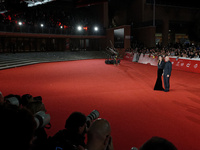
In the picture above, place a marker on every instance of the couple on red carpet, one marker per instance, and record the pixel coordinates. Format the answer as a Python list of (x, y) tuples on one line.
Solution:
[(164, 69)]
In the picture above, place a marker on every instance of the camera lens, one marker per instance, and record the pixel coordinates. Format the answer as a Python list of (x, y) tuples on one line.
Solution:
[(92, 116), (42, 119)]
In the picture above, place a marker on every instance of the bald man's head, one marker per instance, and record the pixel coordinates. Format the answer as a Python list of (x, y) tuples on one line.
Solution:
[(100, 129), (167, 58)]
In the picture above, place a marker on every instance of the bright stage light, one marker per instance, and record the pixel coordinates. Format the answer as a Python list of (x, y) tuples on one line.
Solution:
[(42, 25), (79, 28), (96, 28), (61, 27), (20, 23)]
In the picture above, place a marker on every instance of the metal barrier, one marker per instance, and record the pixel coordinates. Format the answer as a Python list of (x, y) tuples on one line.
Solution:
[(178, 63)]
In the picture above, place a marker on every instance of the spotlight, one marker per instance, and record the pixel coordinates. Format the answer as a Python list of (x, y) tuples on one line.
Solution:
[(61, 27), (79, 28), (96, 28), (42, 25), (20, 23)]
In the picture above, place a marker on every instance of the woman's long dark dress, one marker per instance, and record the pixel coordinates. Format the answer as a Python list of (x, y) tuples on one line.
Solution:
[(158, 85)]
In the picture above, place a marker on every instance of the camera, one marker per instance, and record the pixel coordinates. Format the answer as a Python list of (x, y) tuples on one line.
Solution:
[(42, 119), (13, 99), (92, 116), (26, 98), (37, 98)]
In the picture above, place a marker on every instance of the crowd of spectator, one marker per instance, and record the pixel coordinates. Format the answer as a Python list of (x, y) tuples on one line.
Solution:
[(190, 51), (19, 129)]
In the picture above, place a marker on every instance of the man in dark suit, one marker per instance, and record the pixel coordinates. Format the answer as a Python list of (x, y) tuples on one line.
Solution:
[(167, 73)]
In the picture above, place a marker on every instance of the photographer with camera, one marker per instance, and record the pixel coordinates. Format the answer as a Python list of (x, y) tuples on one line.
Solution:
[(99, 136), (27, 98), (13, 99), (38, 110), (73, 136)]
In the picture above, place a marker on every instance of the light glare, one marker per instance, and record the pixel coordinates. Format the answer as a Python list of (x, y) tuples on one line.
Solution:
[(20, 23), (96, 28), (79, 28)]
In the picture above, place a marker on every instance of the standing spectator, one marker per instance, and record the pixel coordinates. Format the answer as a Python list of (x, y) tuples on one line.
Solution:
[(196, 55), (172, 53), (184, 55), (191, 54)]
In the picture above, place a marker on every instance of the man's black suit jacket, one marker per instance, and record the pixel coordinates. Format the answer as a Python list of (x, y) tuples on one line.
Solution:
[(168, 68)]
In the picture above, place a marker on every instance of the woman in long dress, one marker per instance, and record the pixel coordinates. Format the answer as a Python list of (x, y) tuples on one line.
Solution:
[(161, 64)]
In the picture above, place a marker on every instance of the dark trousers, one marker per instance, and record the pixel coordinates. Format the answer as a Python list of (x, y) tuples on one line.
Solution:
[(166, 82)]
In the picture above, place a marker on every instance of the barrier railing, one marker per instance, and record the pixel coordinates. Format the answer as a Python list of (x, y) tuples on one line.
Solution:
[(186, 64), (128, 56), (133, 57), (178, 63)]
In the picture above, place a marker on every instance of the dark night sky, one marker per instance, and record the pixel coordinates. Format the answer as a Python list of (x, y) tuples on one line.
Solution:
[(181, 3), (114, 5), (124, 3)]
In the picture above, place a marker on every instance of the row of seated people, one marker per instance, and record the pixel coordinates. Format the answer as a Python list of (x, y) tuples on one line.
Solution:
[(19, 129)]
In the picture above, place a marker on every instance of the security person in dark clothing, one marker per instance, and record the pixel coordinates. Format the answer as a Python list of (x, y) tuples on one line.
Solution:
[(167, 73)]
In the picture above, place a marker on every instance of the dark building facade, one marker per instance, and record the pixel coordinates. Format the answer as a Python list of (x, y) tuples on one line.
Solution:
[(52, 26), (163, 22)]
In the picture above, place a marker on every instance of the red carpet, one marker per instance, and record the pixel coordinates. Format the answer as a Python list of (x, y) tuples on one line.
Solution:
[(123, 95)]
